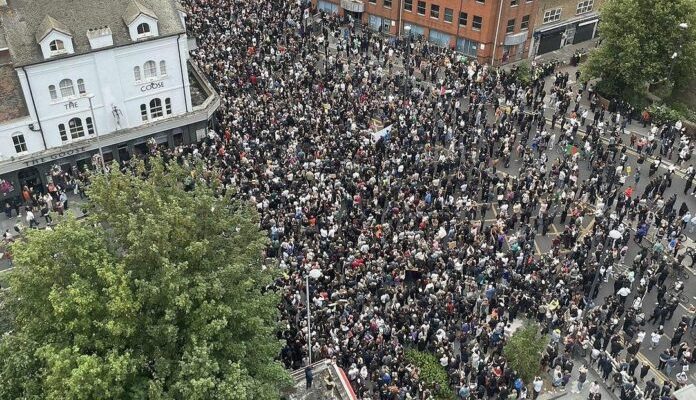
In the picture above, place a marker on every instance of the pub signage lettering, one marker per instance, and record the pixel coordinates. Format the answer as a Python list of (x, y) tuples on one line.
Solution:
[(151, 86), (53, 157), (71, 105)]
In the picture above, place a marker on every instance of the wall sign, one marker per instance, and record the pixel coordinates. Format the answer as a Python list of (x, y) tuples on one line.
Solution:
[(151, 86), (71, 105), (53, 157)]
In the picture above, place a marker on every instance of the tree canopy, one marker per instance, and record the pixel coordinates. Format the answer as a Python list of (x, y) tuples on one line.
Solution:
[(158, 294), (524, 350), (639, 38)]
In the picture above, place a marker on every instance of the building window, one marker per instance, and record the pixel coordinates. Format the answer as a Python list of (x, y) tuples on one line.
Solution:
[(481, 1), (143, 29), (373, 1), (552, 15), (421, 8), (163, 67), (156, 108), (477, 23), (386, 25), (150, 69), (143, 112), (524, 25), (90, 125), (448, 14), (467, 47), (168, 106), (514, 3), (387, 3), (585, 6), (56, 45), (52, 92), (66, 88), (63, 134), (408, 5), (19, 143), (76, 128), (463, 18), (136, 73), (510, 26), (81, 86), (434, 11)]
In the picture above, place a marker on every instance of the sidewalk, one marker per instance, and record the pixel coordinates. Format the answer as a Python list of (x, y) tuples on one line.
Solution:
[(74, 204), (570, 392)]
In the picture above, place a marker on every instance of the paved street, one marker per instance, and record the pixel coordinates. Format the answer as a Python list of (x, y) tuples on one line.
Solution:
[(543, 243)]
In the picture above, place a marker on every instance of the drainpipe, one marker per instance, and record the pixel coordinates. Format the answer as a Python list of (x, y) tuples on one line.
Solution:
[(401, 10), (497, 29), (38, 120), (461, 8), (181, 68)]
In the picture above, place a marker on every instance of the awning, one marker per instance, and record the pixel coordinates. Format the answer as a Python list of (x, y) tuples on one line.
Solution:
[(589, 22), (517, 38), (562, 24)]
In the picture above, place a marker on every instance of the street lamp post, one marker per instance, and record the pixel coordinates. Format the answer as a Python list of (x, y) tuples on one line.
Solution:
[(96, 131), (314, 274)]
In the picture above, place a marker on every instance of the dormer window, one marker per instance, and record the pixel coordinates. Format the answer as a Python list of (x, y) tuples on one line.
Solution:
[(143, 29), (141, 21), (56, 45), (54, 38)]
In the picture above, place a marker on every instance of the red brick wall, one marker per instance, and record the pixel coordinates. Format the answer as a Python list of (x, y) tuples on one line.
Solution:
[(488, 10)]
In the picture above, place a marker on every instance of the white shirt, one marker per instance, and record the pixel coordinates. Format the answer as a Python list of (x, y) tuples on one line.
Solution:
[(538, 384), (655, 337)]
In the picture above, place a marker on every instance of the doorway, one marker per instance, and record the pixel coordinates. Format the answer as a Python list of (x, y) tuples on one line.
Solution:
[(30, 178)]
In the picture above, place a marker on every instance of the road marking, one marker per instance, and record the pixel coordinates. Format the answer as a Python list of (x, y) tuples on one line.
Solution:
[(658, 374)]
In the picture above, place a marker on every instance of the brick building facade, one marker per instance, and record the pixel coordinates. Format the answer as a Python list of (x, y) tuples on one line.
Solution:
[(564, 22), (472, 26)]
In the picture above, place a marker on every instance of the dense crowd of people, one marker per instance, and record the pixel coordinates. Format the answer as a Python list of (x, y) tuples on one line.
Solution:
[(385, 165), (421, 239)]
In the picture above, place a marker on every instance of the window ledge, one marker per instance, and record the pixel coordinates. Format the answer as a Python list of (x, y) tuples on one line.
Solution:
[(69, 98), (149, 80)]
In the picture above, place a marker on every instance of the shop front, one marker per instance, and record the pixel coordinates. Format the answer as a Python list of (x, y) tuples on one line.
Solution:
[(40, 170), (554, 37)]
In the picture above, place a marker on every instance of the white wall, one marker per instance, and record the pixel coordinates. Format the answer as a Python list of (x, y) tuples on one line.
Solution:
[(108, 76), (21, 126)]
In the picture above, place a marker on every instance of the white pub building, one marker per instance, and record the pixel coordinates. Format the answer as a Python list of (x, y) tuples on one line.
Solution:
[(78, 75)]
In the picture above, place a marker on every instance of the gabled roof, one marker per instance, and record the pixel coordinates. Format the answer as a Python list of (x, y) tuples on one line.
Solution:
[(50, 24), (134, 10), (21, 20)]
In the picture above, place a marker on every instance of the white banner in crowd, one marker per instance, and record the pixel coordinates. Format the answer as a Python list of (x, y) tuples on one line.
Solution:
[(383, 133)]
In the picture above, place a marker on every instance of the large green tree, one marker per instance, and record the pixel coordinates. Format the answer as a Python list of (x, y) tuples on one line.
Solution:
[(639, 38), (158, 294), (523, 350)]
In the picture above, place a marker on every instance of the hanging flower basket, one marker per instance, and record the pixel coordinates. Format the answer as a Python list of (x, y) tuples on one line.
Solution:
[(56, 170), (152, 145), (5, 187)]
